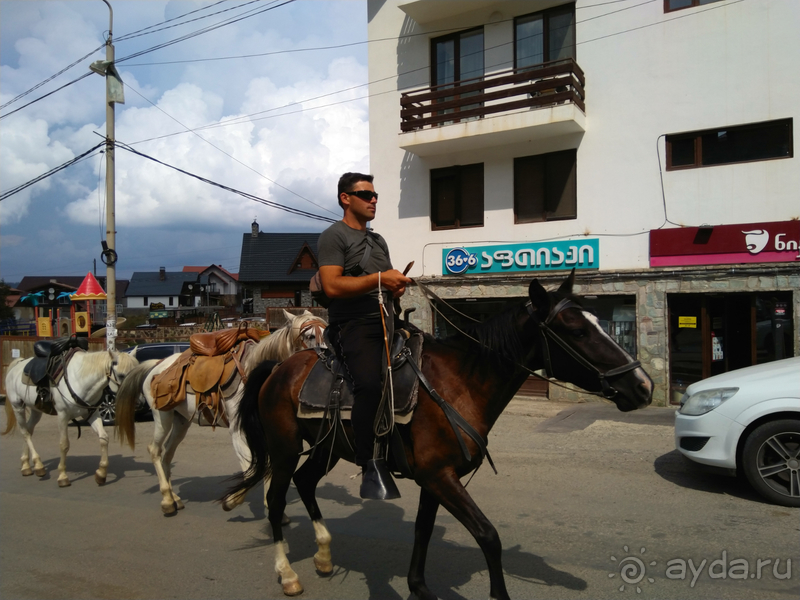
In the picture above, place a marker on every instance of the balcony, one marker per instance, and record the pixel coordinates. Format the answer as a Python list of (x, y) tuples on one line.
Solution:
[(501, 108)]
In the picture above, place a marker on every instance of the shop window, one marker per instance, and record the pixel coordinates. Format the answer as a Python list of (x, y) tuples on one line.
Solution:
[(711, 334), (545, 187), (729, 145), (617, 317), (457, 197)]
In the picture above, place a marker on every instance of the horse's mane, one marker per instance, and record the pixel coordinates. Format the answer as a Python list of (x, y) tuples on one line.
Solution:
[(92, 362), (497, 338), (279, 345)]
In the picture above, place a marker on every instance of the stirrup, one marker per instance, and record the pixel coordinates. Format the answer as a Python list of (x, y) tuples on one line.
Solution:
[(377, 482)]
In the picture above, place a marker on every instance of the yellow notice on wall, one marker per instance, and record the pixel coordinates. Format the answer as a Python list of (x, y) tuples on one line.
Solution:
[(43, 327), (688, 322)]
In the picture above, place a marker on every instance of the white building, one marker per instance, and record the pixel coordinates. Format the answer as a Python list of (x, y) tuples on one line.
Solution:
[(645, 144)]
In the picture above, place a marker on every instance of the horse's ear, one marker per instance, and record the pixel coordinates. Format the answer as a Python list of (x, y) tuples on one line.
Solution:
[(566, 287), (539, 298), (289, 316)]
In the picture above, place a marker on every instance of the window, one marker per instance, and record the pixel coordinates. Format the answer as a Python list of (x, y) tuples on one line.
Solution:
[(742, 143), (670, 5), (545, 187), (544, 36), (170, 300), (144, 302), (457, 197), (456, 57)]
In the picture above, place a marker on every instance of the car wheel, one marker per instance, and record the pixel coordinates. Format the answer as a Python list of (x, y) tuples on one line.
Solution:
[(771, 461), (107, 408)]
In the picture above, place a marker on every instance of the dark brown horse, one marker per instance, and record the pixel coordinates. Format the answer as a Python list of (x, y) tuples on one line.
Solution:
[(478, 374)]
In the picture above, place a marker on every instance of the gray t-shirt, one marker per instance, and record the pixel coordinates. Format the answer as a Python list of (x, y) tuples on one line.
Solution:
[(342, 246)]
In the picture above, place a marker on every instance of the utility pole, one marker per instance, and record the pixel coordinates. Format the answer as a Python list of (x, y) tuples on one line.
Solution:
[(114, 94)]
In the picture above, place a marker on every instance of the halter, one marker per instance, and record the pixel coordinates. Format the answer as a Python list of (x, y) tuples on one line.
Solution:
[(544, 326)]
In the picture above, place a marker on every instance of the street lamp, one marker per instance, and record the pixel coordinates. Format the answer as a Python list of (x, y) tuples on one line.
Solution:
[(114, 94)]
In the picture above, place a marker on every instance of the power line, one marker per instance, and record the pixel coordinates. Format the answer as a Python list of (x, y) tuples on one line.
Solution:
[(53, 171), (263, 201), (143, 31), (49, 79), (230, 155), (8, 114), (188, 36)]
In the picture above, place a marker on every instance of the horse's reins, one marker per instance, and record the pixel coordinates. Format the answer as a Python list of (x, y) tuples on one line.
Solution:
[(544, 326), (80, 401)]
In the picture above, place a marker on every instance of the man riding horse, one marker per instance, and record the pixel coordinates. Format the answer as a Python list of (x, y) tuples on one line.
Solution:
[(355, 268)]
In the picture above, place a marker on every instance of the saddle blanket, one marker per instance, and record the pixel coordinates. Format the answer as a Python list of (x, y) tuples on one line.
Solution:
[(327, 377)]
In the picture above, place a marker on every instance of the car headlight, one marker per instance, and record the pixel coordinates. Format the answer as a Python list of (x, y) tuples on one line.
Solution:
[(705, 401)]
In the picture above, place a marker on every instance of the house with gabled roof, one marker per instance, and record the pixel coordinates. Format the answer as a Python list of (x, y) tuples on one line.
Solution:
[(166, 290), (223, 285), (275, 269)]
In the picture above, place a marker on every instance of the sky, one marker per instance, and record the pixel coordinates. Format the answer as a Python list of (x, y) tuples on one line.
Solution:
[(272, 104)]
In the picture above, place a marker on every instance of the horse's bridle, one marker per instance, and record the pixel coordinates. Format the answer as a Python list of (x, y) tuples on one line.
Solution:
[(111, 375), (317, 324), (607, 389)]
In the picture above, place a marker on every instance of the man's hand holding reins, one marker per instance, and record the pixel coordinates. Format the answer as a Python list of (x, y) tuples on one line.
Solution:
[(337, 285)]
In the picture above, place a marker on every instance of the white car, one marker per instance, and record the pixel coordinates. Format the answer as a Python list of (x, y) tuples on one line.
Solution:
[(747, 422)]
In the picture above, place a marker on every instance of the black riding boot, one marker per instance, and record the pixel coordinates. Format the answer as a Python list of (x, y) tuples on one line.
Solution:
[(377, 482)]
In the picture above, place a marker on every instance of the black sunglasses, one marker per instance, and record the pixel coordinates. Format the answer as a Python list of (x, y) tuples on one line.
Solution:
[(365, 195)]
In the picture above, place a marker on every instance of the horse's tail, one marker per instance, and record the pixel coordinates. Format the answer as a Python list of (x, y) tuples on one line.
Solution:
[(11, 418), (248, 421), (127, 399)]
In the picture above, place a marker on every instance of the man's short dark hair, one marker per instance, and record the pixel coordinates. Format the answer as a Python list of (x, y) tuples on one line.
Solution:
[(347, 181)]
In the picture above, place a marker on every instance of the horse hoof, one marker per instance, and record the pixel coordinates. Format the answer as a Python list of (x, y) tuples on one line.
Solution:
[(99, 480), (179, 504), (27, 472), (64, 483), (169, 509), (285, 520), (292, 588), (323, 567), (40, 472)]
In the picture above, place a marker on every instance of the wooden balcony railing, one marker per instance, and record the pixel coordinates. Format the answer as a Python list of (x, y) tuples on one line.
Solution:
[(541, 86)]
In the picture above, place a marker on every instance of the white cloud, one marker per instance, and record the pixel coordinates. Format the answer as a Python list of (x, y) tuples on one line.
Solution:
[(159, 210)]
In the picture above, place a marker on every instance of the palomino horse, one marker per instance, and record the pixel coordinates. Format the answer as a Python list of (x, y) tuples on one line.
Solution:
[(478, 373), (172, 423), (77, 395)]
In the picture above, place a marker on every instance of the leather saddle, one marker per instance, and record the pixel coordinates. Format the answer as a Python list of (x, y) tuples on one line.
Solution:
[(217, 343), (328, 386), (211, 365), (50, 357)]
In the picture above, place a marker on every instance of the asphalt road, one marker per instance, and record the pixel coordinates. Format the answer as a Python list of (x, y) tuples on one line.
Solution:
[(589, 503)]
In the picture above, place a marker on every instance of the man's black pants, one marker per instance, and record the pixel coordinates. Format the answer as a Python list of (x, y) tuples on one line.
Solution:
[(359, 343)]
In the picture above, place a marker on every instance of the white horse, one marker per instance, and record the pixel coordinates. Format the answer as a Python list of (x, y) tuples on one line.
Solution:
[(301, 332), (76, 396)]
